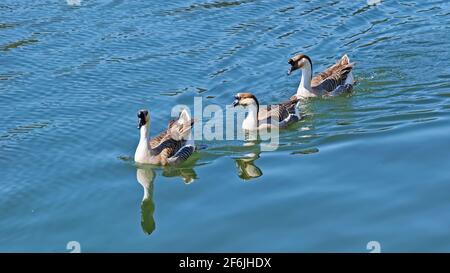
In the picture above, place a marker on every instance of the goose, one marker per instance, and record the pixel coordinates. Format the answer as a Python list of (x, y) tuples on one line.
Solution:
[(168, 148), (284, 114), (334, 81)]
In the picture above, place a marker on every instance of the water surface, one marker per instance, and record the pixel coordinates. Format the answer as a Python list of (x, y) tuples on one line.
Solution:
[(372, 166)]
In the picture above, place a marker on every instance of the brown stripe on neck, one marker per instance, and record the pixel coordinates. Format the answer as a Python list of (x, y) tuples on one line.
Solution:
[(303, 56)]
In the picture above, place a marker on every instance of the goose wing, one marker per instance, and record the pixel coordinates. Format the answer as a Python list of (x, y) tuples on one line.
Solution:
[(292, 118), (333, 76), (172, 139), (169, 148), (169, 145), (280, 111), (162, 137), (181, 154)]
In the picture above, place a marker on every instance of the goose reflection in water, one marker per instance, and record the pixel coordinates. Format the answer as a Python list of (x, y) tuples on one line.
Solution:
[(245, 164), (145, 176), (187, 174), (246, 167)]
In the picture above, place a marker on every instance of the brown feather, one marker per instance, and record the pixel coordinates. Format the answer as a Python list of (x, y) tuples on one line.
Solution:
[(279, 111), (164, 144), (333, 76)]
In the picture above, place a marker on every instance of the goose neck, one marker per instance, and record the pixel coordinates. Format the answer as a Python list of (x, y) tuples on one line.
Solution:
[(305, 81), (143, 152), (251, 121), (144, 134)]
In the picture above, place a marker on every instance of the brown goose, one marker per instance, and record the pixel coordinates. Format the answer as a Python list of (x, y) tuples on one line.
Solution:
[(169, 147), (278, 115), (334, 81)]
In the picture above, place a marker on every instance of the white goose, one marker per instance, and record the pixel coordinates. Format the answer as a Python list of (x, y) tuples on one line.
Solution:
[(334, 81), (278, 115), (170, 147)]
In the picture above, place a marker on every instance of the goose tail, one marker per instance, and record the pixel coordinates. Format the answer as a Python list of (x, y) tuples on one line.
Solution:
[(297, 109), (345, 59), (184, 117)]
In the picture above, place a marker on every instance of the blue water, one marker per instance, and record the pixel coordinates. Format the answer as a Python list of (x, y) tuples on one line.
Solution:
[(373, 166)]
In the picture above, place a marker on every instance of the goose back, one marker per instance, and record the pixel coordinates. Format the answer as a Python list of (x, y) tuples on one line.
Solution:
[(279, 111), (168, 143)]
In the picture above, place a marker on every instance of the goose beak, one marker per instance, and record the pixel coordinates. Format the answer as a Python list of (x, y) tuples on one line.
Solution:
[(236, 100), (292, 68)]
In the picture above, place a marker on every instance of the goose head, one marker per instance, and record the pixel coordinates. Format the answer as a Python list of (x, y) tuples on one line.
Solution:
[(245, 99), (299, 61), (143, 118)]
